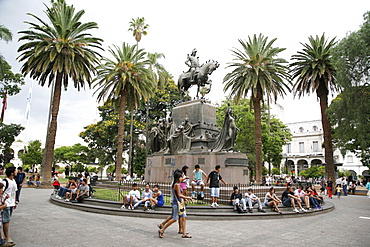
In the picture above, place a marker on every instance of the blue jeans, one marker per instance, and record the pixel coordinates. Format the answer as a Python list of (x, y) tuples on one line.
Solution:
[(314, 201), (62, 191), (18, 193), (345, 191)]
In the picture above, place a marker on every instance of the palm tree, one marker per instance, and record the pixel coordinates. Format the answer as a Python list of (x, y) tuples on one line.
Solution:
[(124, 80), (138, 28), (56, 53), (5, 34), (257, 70), (313, 70)]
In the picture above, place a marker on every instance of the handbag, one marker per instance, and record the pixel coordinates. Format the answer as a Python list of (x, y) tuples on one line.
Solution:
[(181, 205)]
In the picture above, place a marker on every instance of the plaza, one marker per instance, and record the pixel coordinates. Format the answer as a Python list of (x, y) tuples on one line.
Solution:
[(38, 222)]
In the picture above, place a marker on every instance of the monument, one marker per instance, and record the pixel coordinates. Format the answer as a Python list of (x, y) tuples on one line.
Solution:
[(191, 136)]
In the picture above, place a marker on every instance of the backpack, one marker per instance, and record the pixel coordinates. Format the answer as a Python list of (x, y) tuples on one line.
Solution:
[(6, 184)]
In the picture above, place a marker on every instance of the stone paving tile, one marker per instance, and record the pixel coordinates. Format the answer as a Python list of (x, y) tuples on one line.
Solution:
[(37, 222)]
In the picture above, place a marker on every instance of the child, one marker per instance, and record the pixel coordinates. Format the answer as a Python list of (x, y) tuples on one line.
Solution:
[(158, 197), (214, 179), (72, 194), (2, 206), (132, 197), (339, 190)]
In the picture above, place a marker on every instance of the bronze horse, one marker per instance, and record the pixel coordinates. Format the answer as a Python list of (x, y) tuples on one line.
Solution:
[(200, 77)]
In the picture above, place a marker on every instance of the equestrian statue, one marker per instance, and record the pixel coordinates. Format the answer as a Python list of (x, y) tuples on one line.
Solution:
[(197, 74)]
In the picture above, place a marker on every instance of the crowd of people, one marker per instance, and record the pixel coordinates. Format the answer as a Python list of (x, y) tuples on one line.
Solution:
[(76, 189)]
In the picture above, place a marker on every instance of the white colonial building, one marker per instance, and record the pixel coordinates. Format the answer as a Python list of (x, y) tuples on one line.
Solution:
[(306, 150)]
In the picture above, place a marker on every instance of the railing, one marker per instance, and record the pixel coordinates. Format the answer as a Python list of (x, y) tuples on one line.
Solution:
[(225, 190)]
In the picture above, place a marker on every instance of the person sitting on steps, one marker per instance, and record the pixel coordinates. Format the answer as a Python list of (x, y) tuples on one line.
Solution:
[(132, 197), (238, 201), (252, 199), (290, 200)]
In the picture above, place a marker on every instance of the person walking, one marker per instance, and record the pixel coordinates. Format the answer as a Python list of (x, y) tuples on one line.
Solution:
[(19, 179), (176, 196), (329, 188)]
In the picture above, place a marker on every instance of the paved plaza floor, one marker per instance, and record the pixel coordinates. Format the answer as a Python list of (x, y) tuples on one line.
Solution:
[(37, 222)]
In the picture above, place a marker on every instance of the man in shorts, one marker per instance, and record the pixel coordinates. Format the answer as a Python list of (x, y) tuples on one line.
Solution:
[(10, 188), (214, 179), (132, 197), (197, 180)]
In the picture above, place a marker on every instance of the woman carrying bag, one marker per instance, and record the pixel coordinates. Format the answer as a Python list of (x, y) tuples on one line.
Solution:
[(178, 208)]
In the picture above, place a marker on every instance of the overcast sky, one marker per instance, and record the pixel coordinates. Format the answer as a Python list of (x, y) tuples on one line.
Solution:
[(176, 27)]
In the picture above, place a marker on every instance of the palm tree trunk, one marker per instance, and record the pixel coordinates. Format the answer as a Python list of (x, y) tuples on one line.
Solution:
[(121, 130), (130, 168), (258, 129), (322, 93), (48, 158)]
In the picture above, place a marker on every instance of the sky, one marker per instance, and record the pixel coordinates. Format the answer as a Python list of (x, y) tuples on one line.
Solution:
[(176, 28)]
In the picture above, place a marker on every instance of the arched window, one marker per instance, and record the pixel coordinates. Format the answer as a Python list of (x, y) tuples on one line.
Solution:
[(315, 128), (301, 129)]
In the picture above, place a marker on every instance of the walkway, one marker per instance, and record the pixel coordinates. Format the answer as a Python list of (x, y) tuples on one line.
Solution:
[(37, 222)]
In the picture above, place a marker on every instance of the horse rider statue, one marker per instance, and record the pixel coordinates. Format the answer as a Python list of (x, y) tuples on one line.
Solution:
[(193, 62)]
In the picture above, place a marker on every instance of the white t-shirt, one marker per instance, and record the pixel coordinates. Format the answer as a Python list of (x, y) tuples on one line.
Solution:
[(135, 193), (12, 188)]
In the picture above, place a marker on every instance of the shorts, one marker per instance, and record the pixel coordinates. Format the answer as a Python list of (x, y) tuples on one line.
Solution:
[(175, 212), (197, 182), (183, 186), (160, 203), (215, 192), (134, 199), (6, 214)]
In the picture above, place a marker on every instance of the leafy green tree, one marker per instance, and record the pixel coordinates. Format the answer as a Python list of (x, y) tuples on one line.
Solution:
[(8, 132), (124, 80), (314, 71), (349, 112), (76, 156), (313, 172), (274, 136), (275, 171), (138, 28), (32, 154), (56, 53), (5, 34), (257, 69)]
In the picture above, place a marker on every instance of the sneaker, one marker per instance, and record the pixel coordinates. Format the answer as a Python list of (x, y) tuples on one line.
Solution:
[(261, 210), (201, 194), (216, 205), (58, 197), (303, 210), (7, 244), (131, 207), (250, 210), (66, 200), (194, 194), (296, 210), (213, 205), (123, 207)]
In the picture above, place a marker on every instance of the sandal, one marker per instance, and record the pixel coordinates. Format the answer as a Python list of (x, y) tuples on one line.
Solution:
[(186, 236), (181, 233), (160, 226), (160, 234)]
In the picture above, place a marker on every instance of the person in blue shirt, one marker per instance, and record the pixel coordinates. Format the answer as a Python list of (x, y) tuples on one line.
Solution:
[(19, 179)]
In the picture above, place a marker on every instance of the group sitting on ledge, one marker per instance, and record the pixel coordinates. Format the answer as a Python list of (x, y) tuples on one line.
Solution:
[(150, 198)]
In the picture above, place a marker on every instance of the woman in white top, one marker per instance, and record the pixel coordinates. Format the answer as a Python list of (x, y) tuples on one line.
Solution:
[(271, 200)]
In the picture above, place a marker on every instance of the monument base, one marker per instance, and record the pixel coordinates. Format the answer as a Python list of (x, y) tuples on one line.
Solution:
[(234, 166)]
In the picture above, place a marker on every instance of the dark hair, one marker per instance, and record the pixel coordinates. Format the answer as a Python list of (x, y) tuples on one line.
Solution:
[(176, 176), (147, 184), (250, 189), (217, 167), (183, 169), (235, 187), (301, 187), (1, 186), (20, 168), (84, 180), (134, 185), (9, 171), (197, 166), (288, 188), (156, 186), (271, 189)]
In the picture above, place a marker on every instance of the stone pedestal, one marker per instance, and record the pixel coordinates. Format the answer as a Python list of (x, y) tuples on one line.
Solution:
[(199, 112), (234, 166)]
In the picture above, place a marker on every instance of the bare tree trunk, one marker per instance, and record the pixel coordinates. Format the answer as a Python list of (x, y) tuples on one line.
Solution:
[(258, 129), (322, 93), (121, 130), (48, 158)]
